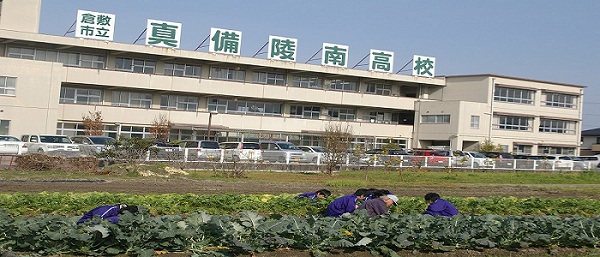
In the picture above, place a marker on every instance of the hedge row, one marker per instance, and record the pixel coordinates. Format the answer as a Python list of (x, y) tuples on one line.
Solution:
[(74, 204)]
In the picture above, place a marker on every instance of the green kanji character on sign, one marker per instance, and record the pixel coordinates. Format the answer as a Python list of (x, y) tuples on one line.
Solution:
[(335, 55), (423, 67), (103, 20), (226, 42), (102, 32), (88, 18), (87, 30), (381, 61), (285, 49), (163, 33)]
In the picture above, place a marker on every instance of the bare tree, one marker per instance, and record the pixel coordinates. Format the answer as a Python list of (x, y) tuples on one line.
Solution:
[(161, 126), (338, 139), (92, 123)]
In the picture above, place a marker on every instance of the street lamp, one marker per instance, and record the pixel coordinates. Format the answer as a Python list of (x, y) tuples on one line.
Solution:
[(210, 114)]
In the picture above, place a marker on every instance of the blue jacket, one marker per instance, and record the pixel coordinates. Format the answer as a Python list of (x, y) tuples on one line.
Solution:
[(441, 207), (109, 212), (341, 205), (310, 195)]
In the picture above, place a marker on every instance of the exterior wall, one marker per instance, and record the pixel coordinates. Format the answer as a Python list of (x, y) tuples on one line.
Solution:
[(21, 15), (478, 90), (57, 75), (470, 89), (34, 107)]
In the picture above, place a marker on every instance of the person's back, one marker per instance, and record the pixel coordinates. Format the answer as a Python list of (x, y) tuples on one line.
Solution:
[(379, 205), (345, 204), (108, 212), (438, 206)]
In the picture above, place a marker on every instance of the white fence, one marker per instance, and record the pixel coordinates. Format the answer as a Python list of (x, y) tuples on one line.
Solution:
[(384, 161)]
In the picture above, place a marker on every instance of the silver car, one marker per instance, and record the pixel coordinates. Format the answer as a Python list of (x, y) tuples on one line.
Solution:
[(282, 152)]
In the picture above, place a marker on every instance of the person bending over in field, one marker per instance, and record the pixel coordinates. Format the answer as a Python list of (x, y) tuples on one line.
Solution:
[(108, 212), (314, 196), (346, 203), (379, 205), (375, 193), (438, 206)]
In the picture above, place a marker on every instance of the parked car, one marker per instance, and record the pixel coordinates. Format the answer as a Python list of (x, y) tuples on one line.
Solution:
[(276, 151), (312, 153), (502, 160), (475, 160), (166, 151), (202, 149), (589, 162), (557, 162), (528, 162), (12, 145), (241, 151), (95, 143), (49, 143)]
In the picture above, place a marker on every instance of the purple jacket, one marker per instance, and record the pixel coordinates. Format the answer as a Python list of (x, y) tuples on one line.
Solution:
[(109, 212), (441, 207), (374, 207), (310, 195), (341, 205)]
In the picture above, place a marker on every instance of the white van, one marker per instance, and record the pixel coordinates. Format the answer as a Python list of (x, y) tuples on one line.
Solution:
[(241, 151)]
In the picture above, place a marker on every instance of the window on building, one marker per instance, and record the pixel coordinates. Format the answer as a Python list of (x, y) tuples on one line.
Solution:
[(307, 82), (474, 121), (8, 85), (342, 114), (378, 117), (560, 100), (227, 74), (522, 149), (80, 96), (513, 95), (182, 70), (343, 85), (379, 89), (514, 123), (442, 118), (67, 58), (545, 149), (557, 126), (132, 99), (92, 61), (598, 140), (4, 127), (135, 65), (309, 112), (268, 78), (21, 53), (244, 107), (178, 102)]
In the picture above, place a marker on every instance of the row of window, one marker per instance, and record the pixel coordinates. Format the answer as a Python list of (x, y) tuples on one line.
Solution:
[(178, 69), (546, 125), (528, 149), (190, 103), (512, 123), (525, 96), (72, 129)]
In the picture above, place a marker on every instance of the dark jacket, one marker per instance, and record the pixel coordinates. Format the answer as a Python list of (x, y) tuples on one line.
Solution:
[(109, 212), (441, 207), (341, 205), (374, 207)]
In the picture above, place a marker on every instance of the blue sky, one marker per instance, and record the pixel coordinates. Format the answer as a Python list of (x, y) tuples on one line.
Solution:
[(549, 40)]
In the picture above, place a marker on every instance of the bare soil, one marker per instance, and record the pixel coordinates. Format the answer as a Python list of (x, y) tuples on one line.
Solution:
[(183, 185)]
